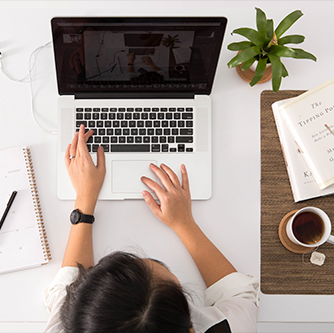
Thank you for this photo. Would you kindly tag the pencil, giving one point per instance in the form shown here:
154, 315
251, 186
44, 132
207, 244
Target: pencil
329, 129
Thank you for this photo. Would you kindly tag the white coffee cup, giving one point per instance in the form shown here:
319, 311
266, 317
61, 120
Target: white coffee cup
310, 230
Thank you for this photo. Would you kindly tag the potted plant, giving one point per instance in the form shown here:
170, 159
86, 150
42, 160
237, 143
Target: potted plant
170, 41
267, 46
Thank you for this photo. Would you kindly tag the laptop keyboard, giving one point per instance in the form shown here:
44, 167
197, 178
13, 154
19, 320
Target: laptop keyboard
138, 129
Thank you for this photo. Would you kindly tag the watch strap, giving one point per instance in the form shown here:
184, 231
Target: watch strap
87, 218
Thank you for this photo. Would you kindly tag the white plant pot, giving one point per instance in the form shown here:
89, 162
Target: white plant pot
253, 67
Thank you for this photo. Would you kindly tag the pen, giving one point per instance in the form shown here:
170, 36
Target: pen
119, 63
9, 204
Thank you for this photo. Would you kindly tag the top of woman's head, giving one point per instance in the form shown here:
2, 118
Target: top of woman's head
122, 294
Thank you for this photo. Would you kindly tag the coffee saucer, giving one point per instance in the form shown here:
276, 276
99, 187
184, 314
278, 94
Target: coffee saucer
285, 240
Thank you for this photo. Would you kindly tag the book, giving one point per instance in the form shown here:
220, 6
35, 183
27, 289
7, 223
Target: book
303, 184
182, 55
310, 120
23, 240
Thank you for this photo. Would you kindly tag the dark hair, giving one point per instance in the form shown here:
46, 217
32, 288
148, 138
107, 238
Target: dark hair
120, 295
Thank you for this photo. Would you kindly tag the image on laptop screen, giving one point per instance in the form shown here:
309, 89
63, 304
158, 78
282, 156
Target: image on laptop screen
136, 54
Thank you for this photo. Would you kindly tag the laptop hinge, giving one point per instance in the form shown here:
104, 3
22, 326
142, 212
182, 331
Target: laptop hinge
134, 95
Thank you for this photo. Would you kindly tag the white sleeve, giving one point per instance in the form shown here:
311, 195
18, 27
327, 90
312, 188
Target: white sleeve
55, 294
236, 296
130, 75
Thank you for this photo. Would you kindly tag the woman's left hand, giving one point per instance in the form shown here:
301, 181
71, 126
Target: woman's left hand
86, 177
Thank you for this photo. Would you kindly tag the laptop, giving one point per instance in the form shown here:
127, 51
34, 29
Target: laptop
143, 85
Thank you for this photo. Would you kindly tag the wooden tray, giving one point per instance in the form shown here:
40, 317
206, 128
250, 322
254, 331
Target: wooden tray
283, 270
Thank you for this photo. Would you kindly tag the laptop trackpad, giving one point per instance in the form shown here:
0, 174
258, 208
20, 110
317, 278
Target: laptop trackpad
126, 176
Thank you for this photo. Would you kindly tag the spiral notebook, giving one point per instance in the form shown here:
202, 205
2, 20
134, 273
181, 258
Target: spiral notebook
23, 240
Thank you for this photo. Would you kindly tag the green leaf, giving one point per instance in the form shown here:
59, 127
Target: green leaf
287, 22
248, 63
301, 54
276, 69
261, 22
270, 29
260, 68
239, 46
287, 52
281, 51
254, 36
292, 39
244, 56
284, 71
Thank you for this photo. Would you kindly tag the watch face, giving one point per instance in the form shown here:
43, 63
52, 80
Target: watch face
75, 217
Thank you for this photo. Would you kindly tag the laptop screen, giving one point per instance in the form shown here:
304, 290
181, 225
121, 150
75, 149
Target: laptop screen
97, 55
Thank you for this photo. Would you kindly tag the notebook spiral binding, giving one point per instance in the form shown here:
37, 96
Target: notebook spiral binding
36, 203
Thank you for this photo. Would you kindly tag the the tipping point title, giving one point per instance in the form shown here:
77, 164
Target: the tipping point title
316, 116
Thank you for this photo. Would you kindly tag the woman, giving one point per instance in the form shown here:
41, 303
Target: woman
124, 293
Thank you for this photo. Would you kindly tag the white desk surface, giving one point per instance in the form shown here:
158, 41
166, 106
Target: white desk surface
231, 218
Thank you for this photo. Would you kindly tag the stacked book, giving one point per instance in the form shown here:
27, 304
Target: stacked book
305, 126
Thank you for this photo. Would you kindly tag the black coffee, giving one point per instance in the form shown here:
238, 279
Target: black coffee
308, 227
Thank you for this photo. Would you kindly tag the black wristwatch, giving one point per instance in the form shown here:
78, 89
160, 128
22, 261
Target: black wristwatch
77, 217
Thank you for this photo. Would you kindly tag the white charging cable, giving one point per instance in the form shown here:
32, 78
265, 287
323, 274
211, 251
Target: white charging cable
28, 79
24, 80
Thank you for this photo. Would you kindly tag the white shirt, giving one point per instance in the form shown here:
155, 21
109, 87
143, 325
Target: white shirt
234, 297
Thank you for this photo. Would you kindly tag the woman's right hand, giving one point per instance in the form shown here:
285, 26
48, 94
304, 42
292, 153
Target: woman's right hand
175, 211
175, 200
